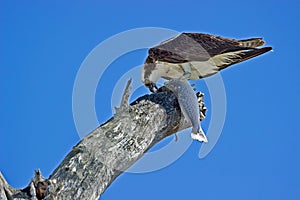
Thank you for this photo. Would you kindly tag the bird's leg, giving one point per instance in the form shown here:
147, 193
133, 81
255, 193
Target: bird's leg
187, 71
186, 75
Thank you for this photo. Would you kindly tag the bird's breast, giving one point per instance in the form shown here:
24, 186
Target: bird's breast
199, 69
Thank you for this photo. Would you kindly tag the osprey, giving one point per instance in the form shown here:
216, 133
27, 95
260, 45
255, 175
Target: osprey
197, 54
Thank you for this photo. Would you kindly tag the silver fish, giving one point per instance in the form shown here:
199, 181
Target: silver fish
188, 104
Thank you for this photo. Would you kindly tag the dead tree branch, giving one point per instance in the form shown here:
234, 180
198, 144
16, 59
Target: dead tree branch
100, 157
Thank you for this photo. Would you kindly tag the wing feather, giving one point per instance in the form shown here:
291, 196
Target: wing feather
198, 47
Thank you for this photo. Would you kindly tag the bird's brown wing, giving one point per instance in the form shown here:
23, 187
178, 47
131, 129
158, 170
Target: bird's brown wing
179, 49
198, 47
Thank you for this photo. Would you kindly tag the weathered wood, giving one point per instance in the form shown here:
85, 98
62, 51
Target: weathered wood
100, 157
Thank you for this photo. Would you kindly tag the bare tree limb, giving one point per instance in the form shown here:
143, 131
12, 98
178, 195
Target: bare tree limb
100, 157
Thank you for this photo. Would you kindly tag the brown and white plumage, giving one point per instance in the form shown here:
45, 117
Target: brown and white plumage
200, 55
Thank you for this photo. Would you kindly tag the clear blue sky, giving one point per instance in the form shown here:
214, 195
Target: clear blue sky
43, 44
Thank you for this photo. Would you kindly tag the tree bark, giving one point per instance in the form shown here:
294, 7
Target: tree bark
94, 163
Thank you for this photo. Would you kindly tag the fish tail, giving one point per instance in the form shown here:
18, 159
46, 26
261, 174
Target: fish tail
198, 134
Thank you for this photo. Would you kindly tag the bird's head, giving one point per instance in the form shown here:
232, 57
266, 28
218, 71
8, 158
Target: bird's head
149, 76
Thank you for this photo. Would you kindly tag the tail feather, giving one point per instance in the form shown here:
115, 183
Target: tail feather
230, 58
252, 42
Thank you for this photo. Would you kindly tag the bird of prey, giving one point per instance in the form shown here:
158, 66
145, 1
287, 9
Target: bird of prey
200, 55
